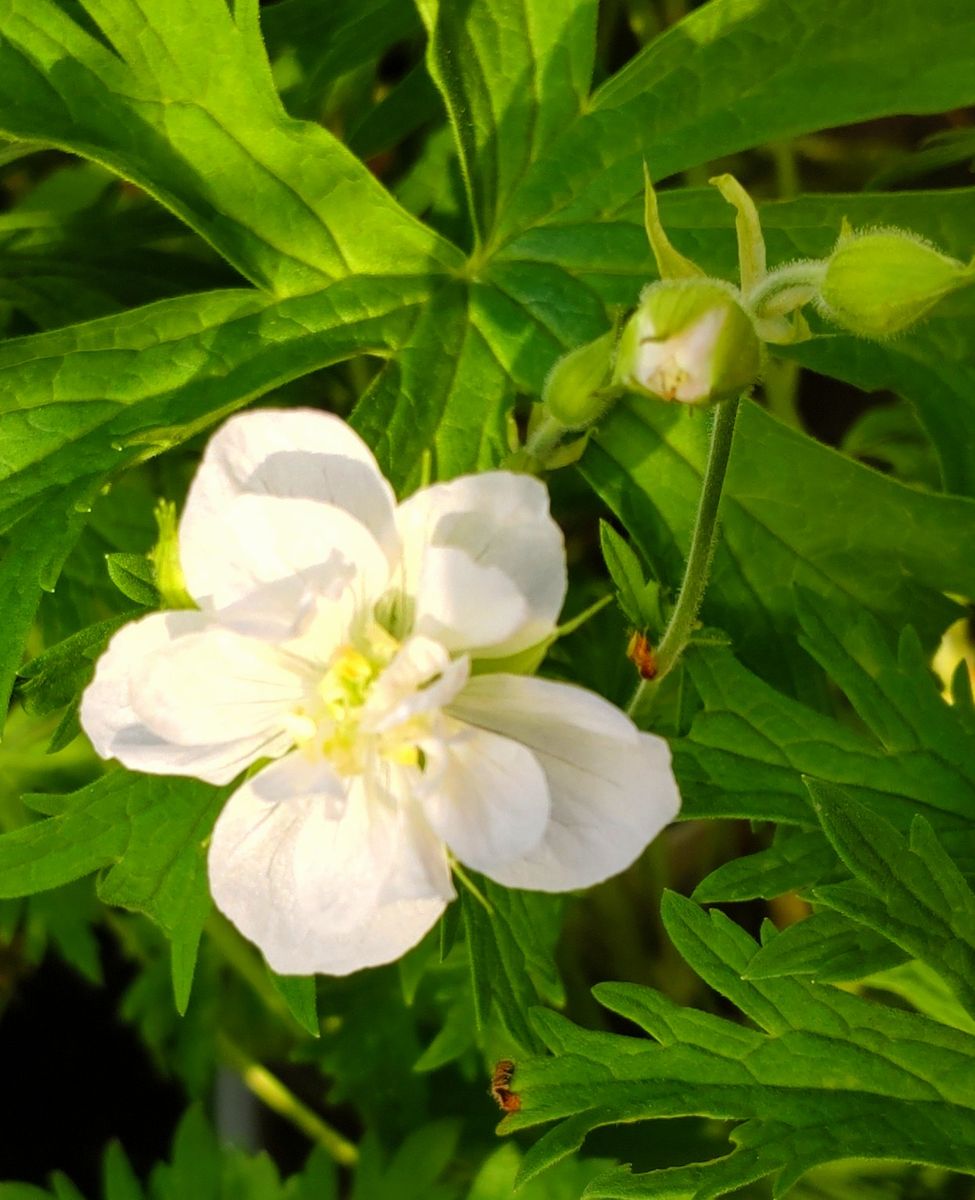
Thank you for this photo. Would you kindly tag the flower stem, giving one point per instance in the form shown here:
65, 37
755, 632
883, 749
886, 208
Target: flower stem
548, 434
698, 568
793, 285
280, 1099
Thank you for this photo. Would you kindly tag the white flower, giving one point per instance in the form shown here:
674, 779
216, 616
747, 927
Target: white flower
334, 637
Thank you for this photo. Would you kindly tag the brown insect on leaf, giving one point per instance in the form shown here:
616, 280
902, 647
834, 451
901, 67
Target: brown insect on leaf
507, 1100
640, 653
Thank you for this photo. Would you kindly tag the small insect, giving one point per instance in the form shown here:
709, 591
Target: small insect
507, 1100
641, 654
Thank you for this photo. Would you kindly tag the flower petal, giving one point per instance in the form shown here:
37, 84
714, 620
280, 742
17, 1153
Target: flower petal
117, 730
501, 521
325, 874
611, 787
485, 795
217, 686
250, 543
293, 453
420, 678
464, 605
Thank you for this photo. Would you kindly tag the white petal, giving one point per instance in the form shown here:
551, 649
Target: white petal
501, 521
117, 730
485, 795
234, 553
611, 787
293, 453
464, 605
322, 874
216, 686
307, 616
420, 679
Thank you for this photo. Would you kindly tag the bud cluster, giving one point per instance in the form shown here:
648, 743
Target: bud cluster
697, 340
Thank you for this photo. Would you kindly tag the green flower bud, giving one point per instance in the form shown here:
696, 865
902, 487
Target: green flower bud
165, 560
575, 391
690, 340
882, 281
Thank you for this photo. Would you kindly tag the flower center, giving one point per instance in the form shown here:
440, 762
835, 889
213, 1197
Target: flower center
343, 720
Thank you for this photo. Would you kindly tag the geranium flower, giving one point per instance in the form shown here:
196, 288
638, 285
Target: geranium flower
343, 646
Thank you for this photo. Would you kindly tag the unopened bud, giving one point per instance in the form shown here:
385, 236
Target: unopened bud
690, 340
880, 282
575, 392
165, 560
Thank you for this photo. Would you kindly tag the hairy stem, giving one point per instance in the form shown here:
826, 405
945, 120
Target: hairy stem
548, 434
698, 568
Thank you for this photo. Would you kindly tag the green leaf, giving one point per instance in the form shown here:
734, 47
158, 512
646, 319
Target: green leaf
892, 436
749, 747
325, 41
195, 1168
915, 895
135, 577
454, 1037
299, 993
66, 919
827, 946
56, 677
30, 566
119, 1180
445, 391
181, 102
92, 399
832, 1076
796, 858
925, 990
75, 247
368, 1059
415, 1170
933, 366
891, 549
64, 1189
513, 74
510, 951
151, 830
639, 598
410, 104
496, 1178
693, 95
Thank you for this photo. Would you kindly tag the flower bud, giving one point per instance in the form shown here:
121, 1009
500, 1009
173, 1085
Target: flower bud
165, 560
575, 390
690, 340
882, 281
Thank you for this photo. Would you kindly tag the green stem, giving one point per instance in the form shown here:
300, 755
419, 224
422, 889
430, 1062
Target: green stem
798, 277
787, 180
698, 568
544, 439
280, 1099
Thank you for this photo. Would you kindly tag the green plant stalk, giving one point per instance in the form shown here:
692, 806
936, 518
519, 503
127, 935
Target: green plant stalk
272, 1092
799, 277
698, 568
543, 441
